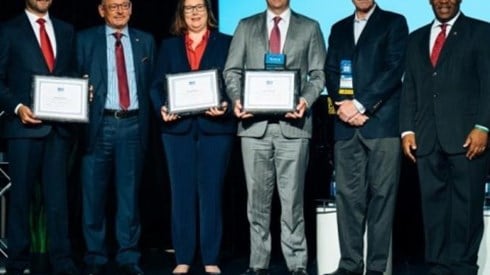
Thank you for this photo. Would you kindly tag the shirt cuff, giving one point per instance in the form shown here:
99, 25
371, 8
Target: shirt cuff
481, 127
306, 102
16, 110
359, 106
408, 133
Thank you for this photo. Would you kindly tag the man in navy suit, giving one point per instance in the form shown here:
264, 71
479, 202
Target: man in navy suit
445, 119
37, 150
118, 62
364, 70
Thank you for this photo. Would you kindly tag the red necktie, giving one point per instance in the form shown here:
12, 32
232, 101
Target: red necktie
122, 78
275, 39
45, 44
436, 49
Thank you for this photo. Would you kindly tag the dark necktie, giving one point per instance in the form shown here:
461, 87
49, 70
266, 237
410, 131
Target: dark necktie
439, 43
46, 47
275, 39
122, 78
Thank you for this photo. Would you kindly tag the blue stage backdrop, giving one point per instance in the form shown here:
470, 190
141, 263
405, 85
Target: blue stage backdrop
327, 12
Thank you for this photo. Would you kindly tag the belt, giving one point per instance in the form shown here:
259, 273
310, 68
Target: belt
120, 114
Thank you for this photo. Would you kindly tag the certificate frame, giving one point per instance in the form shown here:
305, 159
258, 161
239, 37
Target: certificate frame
192, 92
62, 99
270, 92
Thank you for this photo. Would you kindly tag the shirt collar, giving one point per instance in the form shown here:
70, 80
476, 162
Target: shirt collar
109, 31
450, 23
285, 15
368, 15
33, 17
188, 40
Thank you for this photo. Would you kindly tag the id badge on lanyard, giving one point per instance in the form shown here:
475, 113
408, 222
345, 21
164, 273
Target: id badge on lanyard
346, 86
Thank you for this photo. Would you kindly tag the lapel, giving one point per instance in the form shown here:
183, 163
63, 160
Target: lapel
32, 45
138, 56
60, 42
65, 46
424, 46
207, 51
99, 50
182, 53
452, 39
262, 33
371, 26
292, 34
346, 29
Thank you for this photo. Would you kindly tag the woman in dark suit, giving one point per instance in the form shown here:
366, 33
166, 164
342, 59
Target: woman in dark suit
197, 147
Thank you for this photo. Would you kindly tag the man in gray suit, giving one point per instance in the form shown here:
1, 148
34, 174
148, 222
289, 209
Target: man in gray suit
276, 147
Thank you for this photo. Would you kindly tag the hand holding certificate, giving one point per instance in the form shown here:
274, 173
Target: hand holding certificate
270, 91
193, 92
60, 98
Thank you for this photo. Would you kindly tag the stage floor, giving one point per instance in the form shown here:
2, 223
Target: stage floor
159, 262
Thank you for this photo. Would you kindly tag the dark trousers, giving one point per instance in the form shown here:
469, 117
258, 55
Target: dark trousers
34, 160
367, 174
117, 154
197, 164
452, 188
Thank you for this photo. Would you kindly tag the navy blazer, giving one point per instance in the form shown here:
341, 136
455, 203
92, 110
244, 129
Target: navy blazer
172, 58
20, 59
92, 61
377, 65
444, 103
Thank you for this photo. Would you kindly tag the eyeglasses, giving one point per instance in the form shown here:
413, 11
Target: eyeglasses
114, 7
197, 8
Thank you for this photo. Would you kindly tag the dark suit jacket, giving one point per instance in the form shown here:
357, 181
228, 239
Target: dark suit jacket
377, 65
172, 58
444, 103
20, 59
92, 61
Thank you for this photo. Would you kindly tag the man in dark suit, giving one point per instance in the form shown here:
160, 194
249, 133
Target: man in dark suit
364, 70
275, 149
34, 43
444, 119
118, 62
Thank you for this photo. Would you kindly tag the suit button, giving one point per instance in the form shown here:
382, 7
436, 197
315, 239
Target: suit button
435, 95
434, 74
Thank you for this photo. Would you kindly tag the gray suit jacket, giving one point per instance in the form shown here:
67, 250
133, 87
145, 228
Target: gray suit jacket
305, 51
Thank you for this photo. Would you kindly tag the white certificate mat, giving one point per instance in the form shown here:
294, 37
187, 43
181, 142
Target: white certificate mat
269, 91
192, 92
60, 98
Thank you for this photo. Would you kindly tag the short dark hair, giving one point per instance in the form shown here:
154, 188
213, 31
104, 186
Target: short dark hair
179, 27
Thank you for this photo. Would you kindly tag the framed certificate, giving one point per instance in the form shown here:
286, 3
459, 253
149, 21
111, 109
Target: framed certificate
60, 98
270, 91
193, 92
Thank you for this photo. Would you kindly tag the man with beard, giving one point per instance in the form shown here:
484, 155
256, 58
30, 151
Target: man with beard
444, 120
34, 43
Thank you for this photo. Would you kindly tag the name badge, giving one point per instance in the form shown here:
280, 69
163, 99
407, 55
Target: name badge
274, 61
346, 86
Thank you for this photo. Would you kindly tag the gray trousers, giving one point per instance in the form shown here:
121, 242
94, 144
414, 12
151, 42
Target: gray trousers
267, 160
367, 173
